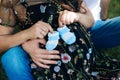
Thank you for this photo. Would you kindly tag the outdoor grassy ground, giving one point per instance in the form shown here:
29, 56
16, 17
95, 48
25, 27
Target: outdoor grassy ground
114, 11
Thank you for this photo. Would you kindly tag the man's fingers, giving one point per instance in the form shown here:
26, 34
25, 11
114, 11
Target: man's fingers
49, 56
41, 64
44, 63
49, 27
42, 32
48, 61
44, 51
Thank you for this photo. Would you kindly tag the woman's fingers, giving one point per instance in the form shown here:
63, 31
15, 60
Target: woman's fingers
67, 17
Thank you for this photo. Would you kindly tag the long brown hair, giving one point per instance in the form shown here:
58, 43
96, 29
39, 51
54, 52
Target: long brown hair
72, 5
8, 3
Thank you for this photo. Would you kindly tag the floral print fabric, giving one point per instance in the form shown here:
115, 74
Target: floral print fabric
79, 61
76, 59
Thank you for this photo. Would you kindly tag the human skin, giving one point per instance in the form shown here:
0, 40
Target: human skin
104, 8
64, 18
38, 31
84, 17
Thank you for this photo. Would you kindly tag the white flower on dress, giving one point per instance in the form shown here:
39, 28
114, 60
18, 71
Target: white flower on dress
88, 56
90, 50
59, 63
72, 48
94, 73
70, 71
65, 58
42, 9
56, 68
33, 66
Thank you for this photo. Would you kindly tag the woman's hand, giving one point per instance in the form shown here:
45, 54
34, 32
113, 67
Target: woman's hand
41, 57
84, 17
67, 17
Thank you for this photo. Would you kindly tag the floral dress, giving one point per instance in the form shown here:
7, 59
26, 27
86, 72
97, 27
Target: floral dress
80, 60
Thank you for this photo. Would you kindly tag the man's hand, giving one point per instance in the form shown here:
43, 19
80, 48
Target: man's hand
104, 8
40, 56
38, 30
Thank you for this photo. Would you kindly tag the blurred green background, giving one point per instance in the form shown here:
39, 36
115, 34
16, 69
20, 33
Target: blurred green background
114, 11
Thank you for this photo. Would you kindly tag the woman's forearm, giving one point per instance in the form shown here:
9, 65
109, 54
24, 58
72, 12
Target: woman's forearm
86, 20
85, 16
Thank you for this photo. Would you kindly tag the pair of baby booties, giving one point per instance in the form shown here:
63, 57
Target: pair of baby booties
64, 33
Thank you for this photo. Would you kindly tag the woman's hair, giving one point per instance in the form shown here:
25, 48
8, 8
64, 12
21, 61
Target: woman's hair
74, 5
8, 3
6, 6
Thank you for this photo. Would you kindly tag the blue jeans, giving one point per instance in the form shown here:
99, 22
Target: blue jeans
16, 61
16, 64
106, 34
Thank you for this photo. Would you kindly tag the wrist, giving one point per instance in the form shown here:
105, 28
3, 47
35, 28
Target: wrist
25, 35
78, 17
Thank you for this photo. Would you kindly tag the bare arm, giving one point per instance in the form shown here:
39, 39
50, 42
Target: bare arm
104, 8
38, 30
33, 2
5, 30
8, 41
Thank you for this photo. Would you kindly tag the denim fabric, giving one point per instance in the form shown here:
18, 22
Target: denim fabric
106, 34
16, 64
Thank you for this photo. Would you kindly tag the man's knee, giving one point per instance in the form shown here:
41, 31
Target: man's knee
11, 55
15, 62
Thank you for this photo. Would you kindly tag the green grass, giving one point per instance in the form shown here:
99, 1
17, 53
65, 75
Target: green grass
114, 11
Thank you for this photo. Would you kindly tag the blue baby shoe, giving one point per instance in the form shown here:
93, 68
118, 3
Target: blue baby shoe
66, 35
53, 39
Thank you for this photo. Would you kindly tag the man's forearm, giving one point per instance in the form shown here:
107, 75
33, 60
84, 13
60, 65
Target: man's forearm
33, 2
8, 41
104, 8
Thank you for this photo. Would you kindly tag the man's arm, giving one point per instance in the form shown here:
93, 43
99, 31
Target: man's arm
104, 8
8, 40
34, 2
